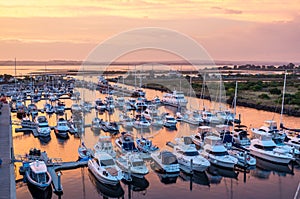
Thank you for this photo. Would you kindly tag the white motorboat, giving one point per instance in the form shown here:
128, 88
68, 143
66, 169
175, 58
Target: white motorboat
72, 126
193, 118
75, 108
61, 129
48, 108
104, 168
120, 102
84, 152
216, 153
147, 115
210, 118
265, 148
140, 106
188, 156
240, 136
96, 124
269, 128
203, 131
27, 123
104, 144
141, 123
42, 126
293, 141
126, 121
170, 121
37, 175
176, 99
244, 158
166, 161
157, 121
133, 165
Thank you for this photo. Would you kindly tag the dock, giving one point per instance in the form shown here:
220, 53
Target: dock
7, 172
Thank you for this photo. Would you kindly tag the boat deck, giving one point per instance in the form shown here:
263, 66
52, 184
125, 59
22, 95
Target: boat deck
7, 179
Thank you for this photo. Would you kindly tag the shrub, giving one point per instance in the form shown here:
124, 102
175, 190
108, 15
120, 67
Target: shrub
275, 91
264, 96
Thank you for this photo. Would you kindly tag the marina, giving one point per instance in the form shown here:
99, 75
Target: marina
210, 179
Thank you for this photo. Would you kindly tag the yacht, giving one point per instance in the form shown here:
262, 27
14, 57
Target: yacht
99, 105
125, 143
42, 126
265, 148
37, 175
166, 161
269, 128
176, 99
96, 124
104, 144
216, 153
240, 136
244, 158
188, 156
141, 122
198, 138
170, 121
133, 165
104, 169
61, 129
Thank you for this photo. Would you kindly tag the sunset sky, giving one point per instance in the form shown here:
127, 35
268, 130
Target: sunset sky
228, 29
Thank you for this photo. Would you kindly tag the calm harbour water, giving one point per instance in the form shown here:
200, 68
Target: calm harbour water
265, 181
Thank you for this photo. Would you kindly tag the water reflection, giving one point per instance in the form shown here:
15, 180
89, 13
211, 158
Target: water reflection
40, 194
107, 191
264, 169
45, 140
215, 174
199, 178
136, 185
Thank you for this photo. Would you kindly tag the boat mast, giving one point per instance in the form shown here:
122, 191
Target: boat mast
282, 103
235, 97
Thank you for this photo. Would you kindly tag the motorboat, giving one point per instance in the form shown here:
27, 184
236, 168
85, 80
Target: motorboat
27, 123
104, 168
72, 126
265, 148
42, 126
75, 108
210, 118
84, 152
240, 136
176, 99
193, 118
126, 121
157, 121
109, 103
60, 108
198, 138
215, 151
140, 105
61, 129
188, 156
132, 164
166, 161
104, 144
244, 158
111, 127
170, 121
32, 110
269, 128
120, 102
125, 142
48, 108
141, 122
99, 105
37, 175
147, 115
145, 145
96, 124
293, 141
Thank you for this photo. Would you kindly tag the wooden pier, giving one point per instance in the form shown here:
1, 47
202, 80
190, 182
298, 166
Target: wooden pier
7, 173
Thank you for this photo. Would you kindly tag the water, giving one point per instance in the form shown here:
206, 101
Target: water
266, 181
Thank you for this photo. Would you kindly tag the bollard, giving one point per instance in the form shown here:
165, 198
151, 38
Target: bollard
245, 158
191, 166
59, 182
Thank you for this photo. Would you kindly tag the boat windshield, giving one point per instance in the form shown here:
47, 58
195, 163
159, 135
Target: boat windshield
107, 162
191, 153
278, 141
219, 153
137, 163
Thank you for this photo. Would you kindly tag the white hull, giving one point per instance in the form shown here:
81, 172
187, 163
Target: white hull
98, 173
280, 159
